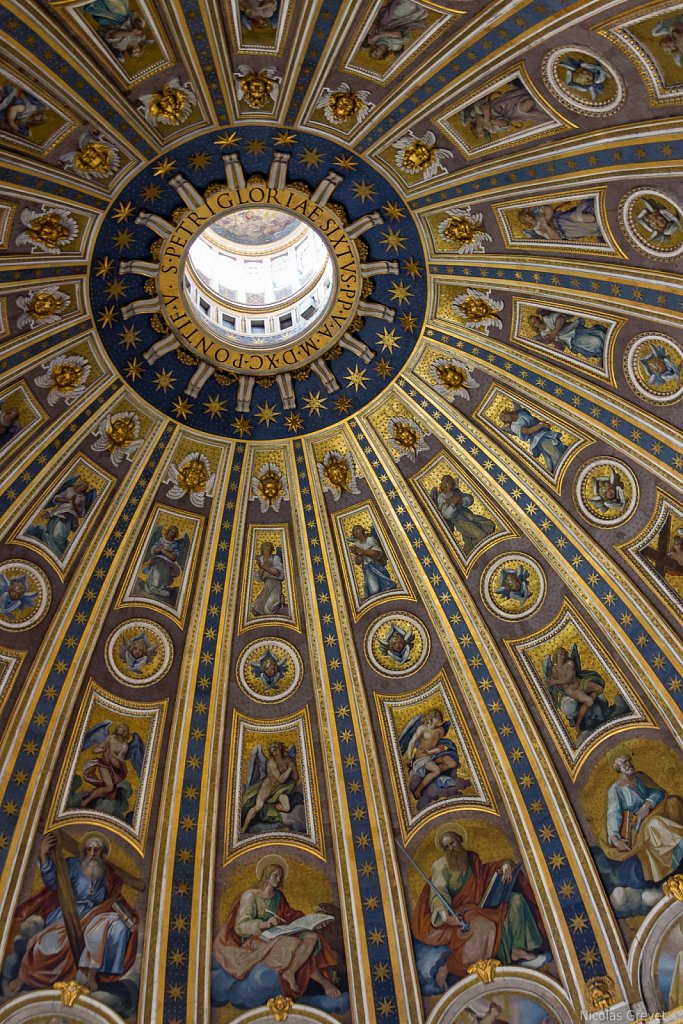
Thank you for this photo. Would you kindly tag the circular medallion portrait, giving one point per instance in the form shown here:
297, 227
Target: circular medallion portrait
24, 594
396, 644
654, 368
513, 586
606, 492
653, 223
269, 670
139, 652
584, 82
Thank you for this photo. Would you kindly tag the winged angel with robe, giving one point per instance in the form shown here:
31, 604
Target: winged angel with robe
432, 758
272, 797
106, 772
580, 693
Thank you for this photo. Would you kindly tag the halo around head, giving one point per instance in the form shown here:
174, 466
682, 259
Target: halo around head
101, 839
271, 860
621, 751
459, 830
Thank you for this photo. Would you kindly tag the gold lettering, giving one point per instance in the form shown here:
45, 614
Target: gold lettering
223, 201
218, 351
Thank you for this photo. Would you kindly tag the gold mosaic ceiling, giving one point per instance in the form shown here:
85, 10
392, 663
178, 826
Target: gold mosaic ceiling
379, 624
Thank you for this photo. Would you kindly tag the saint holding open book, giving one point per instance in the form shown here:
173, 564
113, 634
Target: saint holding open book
262, 928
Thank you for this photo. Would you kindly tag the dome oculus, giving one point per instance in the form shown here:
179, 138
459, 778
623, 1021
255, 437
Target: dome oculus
362, 266
259, 277
216, 313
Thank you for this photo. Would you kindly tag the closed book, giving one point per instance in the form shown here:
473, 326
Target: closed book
498, 891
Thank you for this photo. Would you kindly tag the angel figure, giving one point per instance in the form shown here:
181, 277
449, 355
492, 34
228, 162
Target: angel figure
10, 422
501, 110
584, 76
257, 88
669, 33
342, 104
545, 443
272, 785
112, 746
563, 333
270, 572
659, 367
20, 110
398, 644
65, 511
268, 670
138, 651
122, 30
673, 563
259, 15
563, 672
431, 757
658, 223
514, 583
563, 222
608, 492
15, 594
580, 693
390, 32
164, 562
485, 1014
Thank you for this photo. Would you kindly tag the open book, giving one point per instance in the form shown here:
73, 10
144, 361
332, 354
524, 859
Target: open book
498, 891
307, 923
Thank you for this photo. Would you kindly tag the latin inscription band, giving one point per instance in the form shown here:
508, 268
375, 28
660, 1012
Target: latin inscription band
219, 350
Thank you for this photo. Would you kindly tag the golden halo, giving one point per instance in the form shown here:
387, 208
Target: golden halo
99, 837
459, 830
621, 751
275, 861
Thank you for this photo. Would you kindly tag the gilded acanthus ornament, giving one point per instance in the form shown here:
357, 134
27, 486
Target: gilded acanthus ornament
342, 105
485, 969
65, 377
70, 991
452, 378
280, 1007
119, 435
269, 487
48, 230
461, 229
172, 106
406, 437
192, 477
601, 992
674, 887
95, 157
420, 155
337, 474
478, 309
257, 88
42, 306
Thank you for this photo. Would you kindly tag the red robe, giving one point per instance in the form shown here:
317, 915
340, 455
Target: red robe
38, 970
486, 924
238, 956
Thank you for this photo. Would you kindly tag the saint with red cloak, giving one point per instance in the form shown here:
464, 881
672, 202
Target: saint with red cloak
511, 932
110, 943
297, 958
